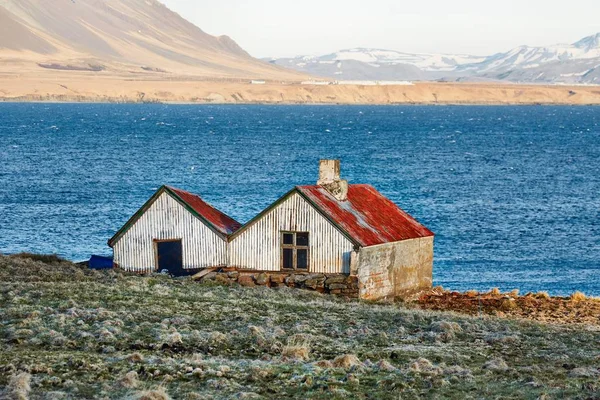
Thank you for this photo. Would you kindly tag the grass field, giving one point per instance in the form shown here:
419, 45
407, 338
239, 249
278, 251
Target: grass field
67, 332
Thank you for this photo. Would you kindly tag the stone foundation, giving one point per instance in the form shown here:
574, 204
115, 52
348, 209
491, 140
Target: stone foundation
337, 284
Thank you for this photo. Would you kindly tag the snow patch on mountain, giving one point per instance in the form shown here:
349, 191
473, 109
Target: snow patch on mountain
575, 63
424, 61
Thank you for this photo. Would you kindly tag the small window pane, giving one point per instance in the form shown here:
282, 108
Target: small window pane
302, 259
301, 239
288, 238
288, 258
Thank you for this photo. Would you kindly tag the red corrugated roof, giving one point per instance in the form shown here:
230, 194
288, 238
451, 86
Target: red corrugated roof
220, 221
367, 216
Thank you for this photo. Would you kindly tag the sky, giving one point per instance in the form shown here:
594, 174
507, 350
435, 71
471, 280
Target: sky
285, 28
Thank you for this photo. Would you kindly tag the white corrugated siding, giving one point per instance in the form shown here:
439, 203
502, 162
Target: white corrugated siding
168, 219
259, 247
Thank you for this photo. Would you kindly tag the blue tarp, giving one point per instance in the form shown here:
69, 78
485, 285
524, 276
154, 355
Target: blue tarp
99, 262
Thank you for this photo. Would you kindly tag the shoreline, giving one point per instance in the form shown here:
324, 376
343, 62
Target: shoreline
183, 103
99, 89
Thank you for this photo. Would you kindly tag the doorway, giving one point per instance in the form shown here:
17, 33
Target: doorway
169, 256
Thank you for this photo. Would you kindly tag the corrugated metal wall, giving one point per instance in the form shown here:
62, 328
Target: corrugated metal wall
168, 219
259, 246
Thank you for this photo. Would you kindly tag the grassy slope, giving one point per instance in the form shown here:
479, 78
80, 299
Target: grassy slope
78, 333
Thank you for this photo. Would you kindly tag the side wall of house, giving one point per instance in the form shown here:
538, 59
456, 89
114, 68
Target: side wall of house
397, 269
168, 219
259, 246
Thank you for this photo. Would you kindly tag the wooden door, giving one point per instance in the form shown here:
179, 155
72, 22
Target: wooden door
169, 255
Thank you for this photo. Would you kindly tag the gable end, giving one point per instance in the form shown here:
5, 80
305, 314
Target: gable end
281, 200
163, 189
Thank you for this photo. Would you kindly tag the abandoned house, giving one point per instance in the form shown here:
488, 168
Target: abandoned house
175, 231
328, 229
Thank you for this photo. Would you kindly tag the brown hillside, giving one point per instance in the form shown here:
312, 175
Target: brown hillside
121, 36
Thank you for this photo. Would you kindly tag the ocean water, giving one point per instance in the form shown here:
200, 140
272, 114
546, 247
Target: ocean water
513, 193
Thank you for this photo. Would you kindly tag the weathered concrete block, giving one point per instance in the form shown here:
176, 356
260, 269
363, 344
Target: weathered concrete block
396, 269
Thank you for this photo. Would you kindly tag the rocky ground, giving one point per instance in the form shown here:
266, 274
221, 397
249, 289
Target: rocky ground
576, 309
67, 332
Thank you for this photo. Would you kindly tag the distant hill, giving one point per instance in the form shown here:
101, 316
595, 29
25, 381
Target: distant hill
577, 63
119, 36
562, 63
377, 64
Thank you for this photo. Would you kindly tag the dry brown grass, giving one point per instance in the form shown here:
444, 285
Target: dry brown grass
423, 365
135, 357
323, 364
496, 365
543, 295
130, 380
346, 361
159, 393
495, 292
578, 297
20, 386
297, 348
45, 258
508, 304
445, 327
385, 365
540, 307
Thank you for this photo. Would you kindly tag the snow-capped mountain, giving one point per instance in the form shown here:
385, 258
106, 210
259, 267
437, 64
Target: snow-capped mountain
562, 63
425, 62
590, 43
532, 57
378, 64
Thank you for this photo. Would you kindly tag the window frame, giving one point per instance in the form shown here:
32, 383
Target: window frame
294, 247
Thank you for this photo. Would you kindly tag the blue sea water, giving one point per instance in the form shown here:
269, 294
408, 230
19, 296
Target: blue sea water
513, 193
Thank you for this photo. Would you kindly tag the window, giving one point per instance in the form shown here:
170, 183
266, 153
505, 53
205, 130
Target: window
294, 250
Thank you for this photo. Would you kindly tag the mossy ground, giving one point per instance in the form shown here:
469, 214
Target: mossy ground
77, 333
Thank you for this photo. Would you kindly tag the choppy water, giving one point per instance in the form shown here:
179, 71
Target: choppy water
512, 192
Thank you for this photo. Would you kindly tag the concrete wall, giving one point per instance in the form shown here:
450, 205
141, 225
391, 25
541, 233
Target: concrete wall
395, 269
259, 246
167, 219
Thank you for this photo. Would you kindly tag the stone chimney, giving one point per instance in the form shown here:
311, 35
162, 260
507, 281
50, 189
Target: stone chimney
329, 179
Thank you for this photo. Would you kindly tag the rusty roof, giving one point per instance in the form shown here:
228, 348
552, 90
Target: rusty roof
220, 221
367, 216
